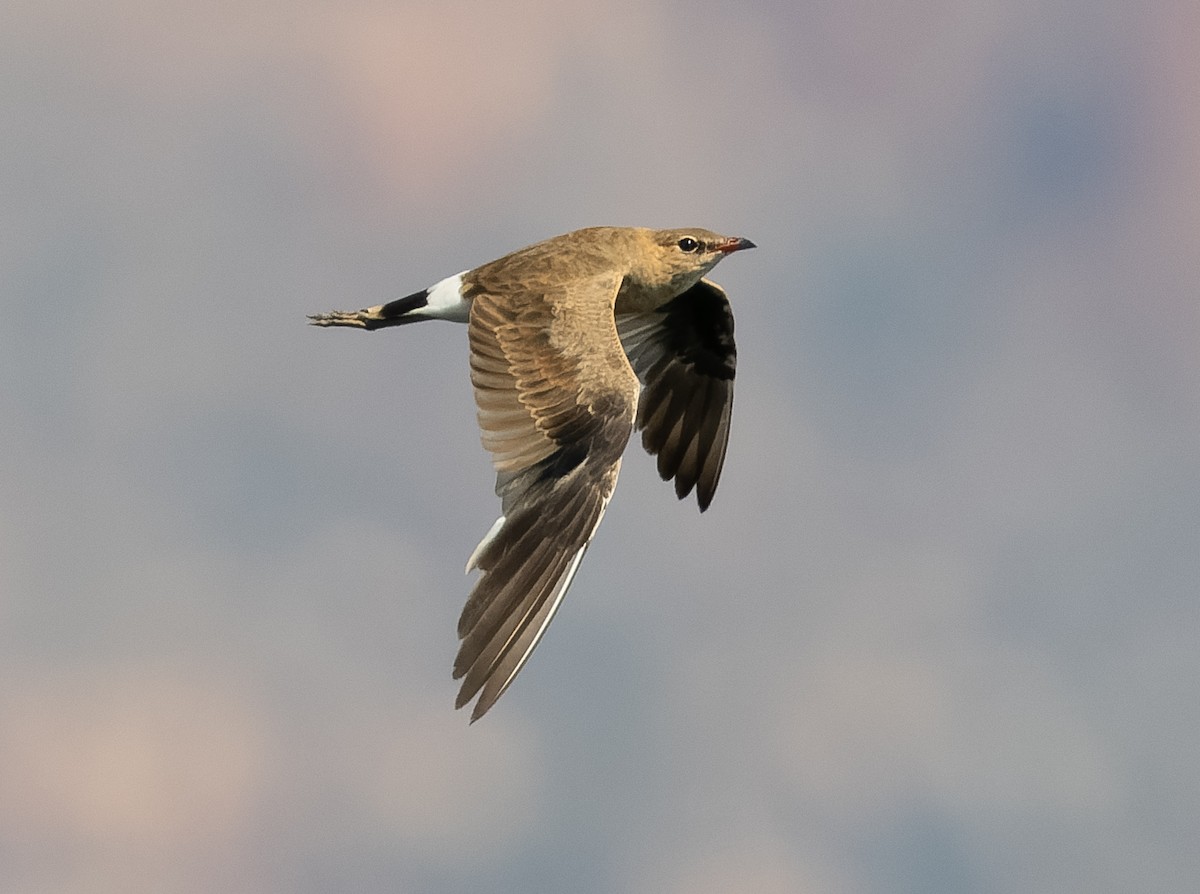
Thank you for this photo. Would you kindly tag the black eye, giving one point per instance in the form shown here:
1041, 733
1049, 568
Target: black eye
687, 243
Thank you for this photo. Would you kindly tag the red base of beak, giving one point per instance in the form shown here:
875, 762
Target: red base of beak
733, 244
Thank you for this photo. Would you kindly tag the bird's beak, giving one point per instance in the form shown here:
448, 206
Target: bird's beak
732, 244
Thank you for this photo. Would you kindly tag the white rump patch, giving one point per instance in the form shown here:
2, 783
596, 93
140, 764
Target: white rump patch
445, 300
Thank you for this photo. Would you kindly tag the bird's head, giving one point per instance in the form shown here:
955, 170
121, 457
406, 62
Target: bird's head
676, 260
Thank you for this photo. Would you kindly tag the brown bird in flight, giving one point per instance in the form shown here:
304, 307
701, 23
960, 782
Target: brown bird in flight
574, 343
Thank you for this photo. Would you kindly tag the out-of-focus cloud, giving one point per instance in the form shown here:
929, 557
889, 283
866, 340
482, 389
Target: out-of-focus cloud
936, 632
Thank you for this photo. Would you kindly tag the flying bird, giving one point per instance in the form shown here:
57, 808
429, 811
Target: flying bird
575, 342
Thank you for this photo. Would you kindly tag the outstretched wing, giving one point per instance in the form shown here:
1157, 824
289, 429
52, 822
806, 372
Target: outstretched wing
556, 400
684, 354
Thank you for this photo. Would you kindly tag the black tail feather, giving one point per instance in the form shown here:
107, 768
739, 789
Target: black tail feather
395, 313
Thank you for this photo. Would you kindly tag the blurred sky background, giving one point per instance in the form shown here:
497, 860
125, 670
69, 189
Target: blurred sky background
939, 631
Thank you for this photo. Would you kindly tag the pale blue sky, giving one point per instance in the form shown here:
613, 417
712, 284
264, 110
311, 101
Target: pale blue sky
937, 632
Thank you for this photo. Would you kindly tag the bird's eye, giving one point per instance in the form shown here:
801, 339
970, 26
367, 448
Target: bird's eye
687, 243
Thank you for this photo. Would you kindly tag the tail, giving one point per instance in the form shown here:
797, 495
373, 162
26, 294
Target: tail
394, 313
442, 301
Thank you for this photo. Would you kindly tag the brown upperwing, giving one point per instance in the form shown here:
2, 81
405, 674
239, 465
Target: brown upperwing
556, 402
